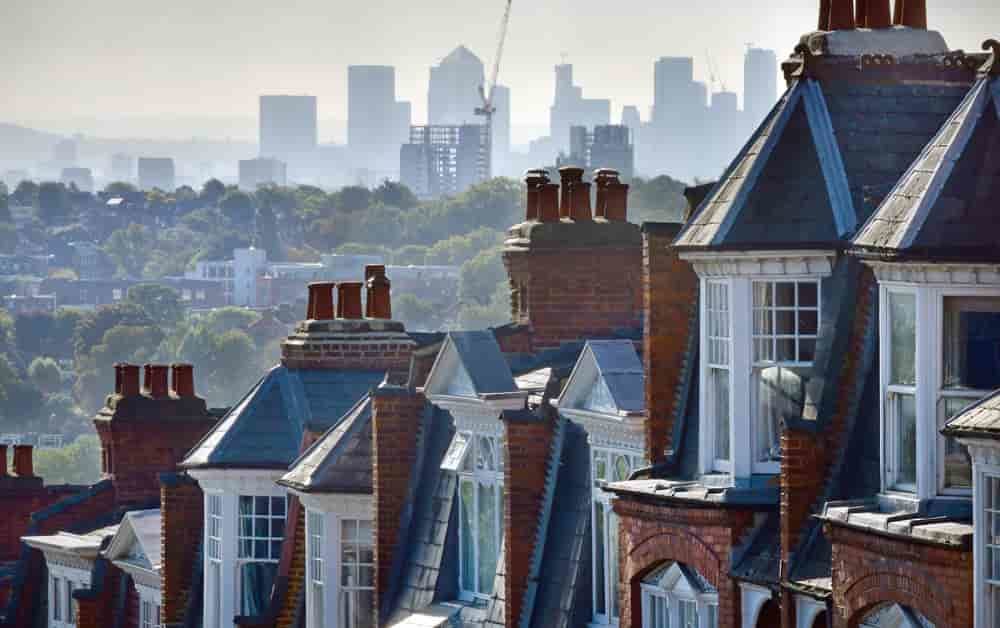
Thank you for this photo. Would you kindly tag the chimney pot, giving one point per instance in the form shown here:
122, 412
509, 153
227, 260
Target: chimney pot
612, 196
568, 176
128, 376
580, 201
378, 298
23, 462
183, 380
320, 306
841, 15
3, 461
534, 180
912, 13
349, 300
548, 202
874, 14
156, 380
824, 15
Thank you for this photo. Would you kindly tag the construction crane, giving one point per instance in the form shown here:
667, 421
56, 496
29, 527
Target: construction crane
486, 92
713, 72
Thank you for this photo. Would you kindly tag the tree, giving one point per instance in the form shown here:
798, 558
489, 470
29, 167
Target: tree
480, 276
161, 303
53, 203
354, 198
267, 232
90, 329
237, 206
410, 254
394, 194
20, 402
212, 192
26, 193
120, 189
416, 313
8, 238
45, 375
76, 463
130, 249
660, 198
5, 206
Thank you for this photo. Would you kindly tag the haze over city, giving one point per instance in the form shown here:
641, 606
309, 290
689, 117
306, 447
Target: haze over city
120, 68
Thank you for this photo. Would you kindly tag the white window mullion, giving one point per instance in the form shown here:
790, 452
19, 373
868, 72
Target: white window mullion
928, 337
741, 334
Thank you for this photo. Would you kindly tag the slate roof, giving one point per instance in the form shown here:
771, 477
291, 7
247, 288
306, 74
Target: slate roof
620, 367
264, 430
142, 527
481, 356
981, 419
857, 138
945, 205
341, 460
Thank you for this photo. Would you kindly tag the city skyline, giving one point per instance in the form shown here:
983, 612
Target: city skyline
612, 58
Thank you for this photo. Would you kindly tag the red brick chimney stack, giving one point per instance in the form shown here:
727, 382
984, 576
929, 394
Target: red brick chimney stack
568, 177
612, 196
23, 463
378, 301
874, 14
3, 461
534, 179
183, 380
349, 300
912, 13
320, 307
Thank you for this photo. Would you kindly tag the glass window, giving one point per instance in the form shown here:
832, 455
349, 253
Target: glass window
902, 339
658, 611
614, 466
56, 599
674, 595
900, 395
990, 531
903, 423
687, 614
150, 615
717, 338
481, 511
259, 536
314, 523
357, 568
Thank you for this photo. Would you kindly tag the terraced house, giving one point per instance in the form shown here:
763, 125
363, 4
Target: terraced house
779, 413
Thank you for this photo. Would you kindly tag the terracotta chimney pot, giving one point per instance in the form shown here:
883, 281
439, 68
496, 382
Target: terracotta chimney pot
912, 13
580, 201
824, 15
349, 300
320, 306
378, 298
874, 14
3, 461
548, 202
23, 462
841, 15
183, 380
156, 380
568, 176
129, 374
534, 180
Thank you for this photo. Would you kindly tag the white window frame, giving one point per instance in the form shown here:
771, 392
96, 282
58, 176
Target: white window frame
479, 477
982, 473
704, 603
711, 462
270, 539
316, 569
150, 614
891, 393
62, 582
742, 463
344, 525
606, 580
929, 390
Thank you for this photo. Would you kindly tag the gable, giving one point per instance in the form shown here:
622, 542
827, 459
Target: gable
608, 379
470, 364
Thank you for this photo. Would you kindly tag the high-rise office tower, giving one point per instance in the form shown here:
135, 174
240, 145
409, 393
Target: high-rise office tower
570, 108
288, 129
453, 93
122, 167
156, 172
254, 173
377, 124
501, 130
760, 83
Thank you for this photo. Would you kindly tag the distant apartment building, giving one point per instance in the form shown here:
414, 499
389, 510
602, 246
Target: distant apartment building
254, 173
122, 167
501, 130
570, 108
158, 173
91, 293
377, 124
606, 146
760, 84
443, 160
16, 304
82, 178
288, 128
25, 265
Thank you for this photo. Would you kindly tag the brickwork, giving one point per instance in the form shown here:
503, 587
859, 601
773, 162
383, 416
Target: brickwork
396, 420
670, 301
701, 538
527, 451
349, 344
296, 577
96, 606
182, 509
869, 569
19, 497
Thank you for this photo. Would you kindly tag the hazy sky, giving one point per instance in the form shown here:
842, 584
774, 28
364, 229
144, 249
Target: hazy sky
108, 58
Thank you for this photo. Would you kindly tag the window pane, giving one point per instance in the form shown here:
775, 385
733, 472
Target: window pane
600, 607
467, 498
957, 462
488, 537
972, 342
906, 439
318, 619
613, 560
784, 322
719, 398
687, 614
780, 396
808, 294
903, 338
784, 294
57, 599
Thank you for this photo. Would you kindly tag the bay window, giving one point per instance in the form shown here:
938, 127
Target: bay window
988, 558
63, 580
607, 466
717, 335
260, 533
901, 390
480, 497
357, 569
150, 615
315, 576
213, 579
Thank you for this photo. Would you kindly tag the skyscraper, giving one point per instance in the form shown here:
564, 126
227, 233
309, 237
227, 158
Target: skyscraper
288, 128
156, 172
570, 108
377, 124
760, 83
453, 93
501, 129
443, 160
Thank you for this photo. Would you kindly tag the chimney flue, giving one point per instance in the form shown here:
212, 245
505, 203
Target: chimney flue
156, 380
3, 461
534, 180
128, 376
841, 15
23, 463
912, 13
612, 196
580, 201
183, 380
378, 302
548, 202
824, 15
568, 177
874, 14
320, 306
349, 300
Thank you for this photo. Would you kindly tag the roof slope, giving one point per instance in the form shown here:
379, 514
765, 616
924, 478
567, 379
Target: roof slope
264, 430
980, 419
341, 460
620, 367
944, 206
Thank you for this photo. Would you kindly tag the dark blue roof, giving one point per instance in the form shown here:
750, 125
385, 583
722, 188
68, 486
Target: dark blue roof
264, 430
484, 361
620, 367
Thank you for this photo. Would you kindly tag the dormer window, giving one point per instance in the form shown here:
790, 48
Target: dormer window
760, 324
480, 495
676, 595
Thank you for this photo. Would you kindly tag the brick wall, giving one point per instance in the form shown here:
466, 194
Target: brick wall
296, 576
670, 301
19, 497
96, 605
396, 421
869, 569
651, 534
527, 450
181, 519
